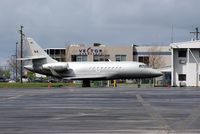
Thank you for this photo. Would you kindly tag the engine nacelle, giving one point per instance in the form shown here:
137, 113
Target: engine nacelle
60, 66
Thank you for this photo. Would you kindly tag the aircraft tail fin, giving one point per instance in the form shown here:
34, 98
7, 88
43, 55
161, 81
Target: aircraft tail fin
32, 51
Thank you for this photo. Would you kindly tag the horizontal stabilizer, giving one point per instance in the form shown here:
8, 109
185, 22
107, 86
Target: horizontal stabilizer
32, 58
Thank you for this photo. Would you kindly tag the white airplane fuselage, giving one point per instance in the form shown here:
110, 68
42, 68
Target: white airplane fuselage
96, 70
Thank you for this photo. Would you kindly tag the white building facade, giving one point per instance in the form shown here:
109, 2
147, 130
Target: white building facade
185, 63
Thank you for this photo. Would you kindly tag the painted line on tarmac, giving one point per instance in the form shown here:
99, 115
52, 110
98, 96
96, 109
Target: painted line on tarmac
12, 98
189, 120
155, 115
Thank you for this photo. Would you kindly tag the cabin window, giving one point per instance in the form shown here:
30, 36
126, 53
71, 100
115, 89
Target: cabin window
182, 53
143, 66
182, 77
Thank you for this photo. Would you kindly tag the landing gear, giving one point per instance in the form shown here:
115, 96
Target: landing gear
86, 83
139, 82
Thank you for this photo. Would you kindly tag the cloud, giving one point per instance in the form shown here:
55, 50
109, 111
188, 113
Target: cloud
55, 23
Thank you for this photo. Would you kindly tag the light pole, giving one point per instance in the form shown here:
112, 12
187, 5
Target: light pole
16, 62
21, 55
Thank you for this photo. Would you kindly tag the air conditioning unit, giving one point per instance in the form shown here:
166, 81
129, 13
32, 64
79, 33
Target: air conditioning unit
182, 84
182, 61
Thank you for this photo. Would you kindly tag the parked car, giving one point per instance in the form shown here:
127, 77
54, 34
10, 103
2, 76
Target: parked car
3, 79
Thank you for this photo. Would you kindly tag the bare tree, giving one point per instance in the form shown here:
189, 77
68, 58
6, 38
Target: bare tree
14, 66
155, 58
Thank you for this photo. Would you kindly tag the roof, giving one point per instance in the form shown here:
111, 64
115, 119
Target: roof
189, 44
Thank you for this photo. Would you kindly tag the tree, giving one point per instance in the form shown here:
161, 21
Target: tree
14, 65
155, 58
1, 72
31, 76
6, 74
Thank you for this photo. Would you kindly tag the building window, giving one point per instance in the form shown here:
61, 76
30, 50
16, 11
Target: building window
57, 51
101, 57
144, 59
63, 51
199, 53
51, 51
182, 77
79, 58
120, 57
182, 53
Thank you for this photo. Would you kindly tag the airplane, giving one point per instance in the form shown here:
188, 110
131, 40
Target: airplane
42, 63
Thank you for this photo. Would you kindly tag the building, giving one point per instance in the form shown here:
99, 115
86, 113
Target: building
155, 56
58, 54
158, 57
98, 52
185, 63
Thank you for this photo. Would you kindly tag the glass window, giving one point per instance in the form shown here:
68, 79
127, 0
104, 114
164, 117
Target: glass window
57, 51
51, 51
120, 57
79, 58
182, 77
144, 59
182, 53
63, 51
73, 58
123, 57
101, 57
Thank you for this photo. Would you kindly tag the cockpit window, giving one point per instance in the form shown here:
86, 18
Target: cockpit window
143, 66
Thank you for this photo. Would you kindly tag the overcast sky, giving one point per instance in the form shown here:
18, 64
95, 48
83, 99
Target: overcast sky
55, 23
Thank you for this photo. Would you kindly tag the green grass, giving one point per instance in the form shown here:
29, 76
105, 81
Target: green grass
32, 85
60, 85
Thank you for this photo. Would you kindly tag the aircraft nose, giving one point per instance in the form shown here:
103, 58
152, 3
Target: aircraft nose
157, 73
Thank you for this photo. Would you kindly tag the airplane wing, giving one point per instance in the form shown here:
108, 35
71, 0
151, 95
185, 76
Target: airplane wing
81, 77
54, 72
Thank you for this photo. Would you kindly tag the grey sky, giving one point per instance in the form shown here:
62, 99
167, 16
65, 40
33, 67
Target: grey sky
55, 23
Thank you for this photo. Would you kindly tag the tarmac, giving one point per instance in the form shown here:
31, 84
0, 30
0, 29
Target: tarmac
100, 110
